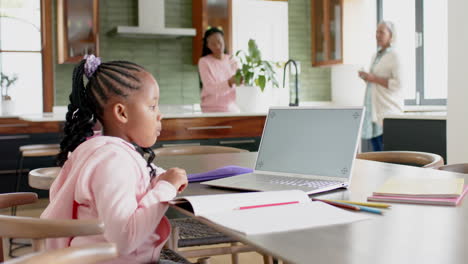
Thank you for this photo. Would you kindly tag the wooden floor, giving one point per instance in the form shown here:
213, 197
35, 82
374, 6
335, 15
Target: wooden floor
34, 210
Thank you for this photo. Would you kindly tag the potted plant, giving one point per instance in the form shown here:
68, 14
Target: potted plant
253, 76
6, 82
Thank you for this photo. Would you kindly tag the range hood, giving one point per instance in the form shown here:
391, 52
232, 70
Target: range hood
151, 23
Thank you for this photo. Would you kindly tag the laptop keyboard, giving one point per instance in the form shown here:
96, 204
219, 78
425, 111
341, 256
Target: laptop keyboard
313, 184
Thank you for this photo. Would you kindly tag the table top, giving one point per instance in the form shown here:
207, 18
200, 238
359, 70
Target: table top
404, 234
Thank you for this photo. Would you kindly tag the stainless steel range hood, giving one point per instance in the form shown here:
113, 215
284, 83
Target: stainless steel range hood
151, 23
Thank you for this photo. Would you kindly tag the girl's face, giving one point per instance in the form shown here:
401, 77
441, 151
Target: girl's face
144, 117
383, 36
215, 43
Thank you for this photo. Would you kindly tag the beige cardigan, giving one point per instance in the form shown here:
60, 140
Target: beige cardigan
387, 100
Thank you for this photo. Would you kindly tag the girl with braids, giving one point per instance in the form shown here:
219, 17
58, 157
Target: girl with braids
104, 176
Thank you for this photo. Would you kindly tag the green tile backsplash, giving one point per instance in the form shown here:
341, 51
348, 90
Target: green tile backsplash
170, 60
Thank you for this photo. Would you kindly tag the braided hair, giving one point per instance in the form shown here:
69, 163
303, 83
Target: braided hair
114, 78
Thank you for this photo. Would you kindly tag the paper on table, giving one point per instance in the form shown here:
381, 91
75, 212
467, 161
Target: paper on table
224, 210
209, 204
284, 218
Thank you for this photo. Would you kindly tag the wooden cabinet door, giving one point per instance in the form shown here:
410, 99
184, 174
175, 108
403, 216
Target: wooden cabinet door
211, 13
327, 32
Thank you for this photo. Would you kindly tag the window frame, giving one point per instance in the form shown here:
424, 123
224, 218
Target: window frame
419, 71
46, 54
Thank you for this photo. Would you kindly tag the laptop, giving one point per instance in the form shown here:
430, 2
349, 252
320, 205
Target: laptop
306, 148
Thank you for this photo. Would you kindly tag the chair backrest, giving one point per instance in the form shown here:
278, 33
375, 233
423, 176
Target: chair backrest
460, 168
39, 229
191, 150
87, 254
413, 158
14, 199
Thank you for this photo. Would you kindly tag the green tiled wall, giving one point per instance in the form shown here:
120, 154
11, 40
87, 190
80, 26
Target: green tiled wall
314, 81
170, 60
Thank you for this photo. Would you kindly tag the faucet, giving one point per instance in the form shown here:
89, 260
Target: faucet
296, 101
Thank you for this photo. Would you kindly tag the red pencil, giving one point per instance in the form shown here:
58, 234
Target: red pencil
265, 205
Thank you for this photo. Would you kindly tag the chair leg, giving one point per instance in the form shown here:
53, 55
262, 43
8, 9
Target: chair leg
19, 175
267, 259
235, 256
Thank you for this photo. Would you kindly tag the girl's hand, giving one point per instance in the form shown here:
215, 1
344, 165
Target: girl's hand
176, 177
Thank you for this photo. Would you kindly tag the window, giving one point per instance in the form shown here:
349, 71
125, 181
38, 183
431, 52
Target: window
421, 41
26, 52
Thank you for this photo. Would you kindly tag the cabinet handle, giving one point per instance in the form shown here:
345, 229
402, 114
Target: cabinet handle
243, 141
14, 137
209, 127
181, 144
14, 125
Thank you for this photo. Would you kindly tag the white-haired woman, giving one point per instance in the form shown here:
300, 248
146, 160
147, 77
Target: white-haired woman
383, 94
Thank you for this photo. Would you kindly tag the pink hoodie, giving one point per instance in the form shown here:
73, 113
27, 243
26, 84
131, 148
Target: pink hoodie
217, 95
110, 181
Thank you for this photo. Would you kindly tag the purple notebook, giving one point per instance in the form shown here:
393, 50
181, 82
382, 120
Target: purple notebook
218, 173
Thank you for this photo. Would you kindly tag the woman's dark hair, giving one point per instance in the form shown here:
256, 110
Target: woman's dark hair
208, 33
114, 78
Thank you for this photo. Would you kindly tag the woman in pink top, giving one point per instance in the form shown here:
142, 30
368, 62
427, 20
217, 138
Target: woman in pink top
217, 70
105, 177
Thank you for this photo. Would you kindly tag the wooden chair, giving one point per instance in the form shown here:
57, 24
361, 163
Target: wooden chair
460, 168
191, 150
32, 151
188, 232
14, 199
92, 253
412, 158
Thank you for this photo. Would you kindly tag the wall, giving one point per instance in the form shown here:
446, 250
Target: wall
359, 25
457, 109
314, 81
169, 60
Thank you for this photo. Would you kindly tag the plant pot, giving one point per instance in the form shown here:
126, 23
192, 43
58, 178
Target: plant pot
252, 99
8, 105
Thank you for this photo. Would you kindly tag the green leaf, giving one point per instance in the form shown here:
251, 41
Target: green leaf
262, 82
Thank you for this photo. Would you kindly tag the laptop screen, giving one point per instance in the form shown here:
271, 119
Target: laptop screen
314, 141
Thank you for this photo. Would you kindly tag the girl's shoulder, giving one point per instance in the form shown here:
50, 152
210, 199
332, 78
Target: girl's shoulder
102, 145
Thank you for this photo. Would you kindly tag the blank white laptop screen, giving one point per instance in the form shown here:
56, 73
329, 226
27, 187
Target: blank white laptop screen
310, 141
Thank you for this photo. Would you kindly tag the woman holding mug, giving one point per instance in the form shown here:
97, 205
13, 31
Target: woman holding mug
383, 93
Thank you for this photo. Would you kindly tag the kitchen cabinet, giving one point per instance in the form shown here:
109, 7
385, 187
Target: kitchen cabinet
426, 135
234, 131
327, 32
77, 29
211, 13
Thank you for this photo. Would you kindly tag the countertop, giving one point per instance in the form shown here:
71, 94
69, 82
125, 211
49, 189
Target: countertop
168, 111
419, 115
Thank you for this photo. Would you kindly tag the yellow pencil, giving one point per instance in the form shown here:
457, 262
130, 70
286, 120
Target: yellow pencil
379, 205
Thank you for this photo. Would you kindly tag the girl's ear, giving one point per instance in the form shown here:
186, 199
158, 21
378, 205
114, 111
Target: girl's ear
119, 111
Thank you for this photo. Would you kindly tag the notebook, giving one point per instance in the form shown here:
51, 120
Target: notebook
304, 148
265, 212
426, 187
453, 201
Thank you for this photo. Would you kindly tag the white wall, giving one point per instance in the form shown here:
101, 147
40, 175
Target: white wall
267, 23
359, 24
457, 100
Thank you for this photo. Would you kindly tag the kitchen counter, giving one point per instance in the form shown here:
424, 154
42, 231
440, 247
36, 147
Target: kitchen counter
168, 111
439, 115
